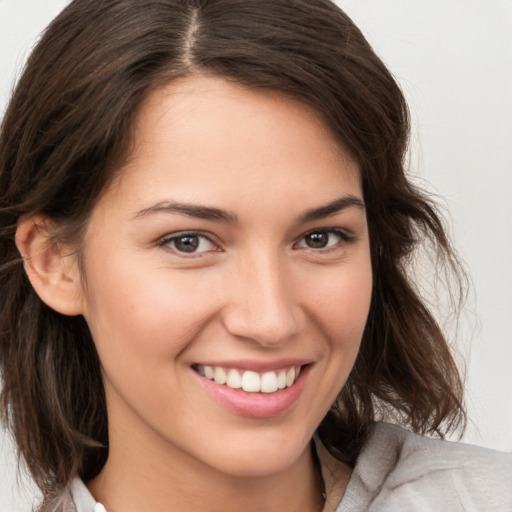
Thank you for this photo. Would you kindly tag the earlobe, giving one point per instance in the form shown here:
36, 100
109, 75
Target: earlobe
51, 267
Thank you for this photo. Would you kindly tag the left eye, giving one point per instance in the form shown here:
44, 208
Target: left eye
189, 243
321, 239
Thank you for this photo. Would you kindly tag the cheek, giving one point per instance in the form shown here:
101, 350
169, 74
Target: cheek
340, 304
142, 323
146, 315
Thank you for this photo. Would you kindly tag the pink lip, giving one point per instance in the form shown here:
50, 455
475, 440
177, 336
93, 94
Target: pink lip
256, 405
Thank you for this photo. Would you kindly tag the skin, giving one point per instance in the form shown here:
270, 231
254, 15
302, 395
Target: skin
254, 291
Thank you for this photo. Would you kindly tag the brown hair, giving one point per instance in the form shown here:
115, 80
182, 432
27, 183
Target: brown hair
64, 134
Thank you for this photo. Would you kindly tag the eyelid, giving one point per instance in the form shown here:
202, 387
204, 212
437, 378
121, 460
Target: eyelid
346, 238
165, 240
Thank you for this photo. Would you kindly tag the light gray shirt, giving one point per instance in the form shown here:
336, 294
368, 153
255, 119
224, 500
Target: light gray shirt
398, 471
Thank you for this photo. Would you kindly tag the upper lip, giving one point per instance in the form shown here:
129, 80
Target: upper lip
258, 366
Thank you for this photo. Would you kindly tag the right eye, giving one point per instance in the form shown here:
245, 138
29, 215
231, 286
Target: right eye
188, 243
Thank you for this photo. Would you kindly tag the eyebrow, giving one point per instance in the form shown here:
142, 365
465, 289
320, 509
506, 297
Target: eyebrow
336, 206
216, 214
190, 210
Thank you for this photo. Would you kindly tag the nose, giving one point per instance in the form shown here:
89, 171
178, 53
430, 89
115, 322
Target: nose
263, 306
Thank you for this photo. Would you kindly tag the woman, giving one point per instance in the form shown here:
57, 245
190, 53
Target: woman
213, 309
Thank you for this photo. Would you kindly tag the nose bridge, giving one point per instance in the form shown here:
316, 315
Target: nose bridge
263, 306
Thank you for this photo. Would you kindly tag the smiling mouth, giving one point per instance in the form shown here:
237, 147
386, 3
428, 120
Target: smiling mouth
248, 380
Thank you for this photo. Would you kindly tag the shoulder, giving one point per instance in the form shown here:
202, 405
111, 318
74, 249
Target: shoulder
397, 470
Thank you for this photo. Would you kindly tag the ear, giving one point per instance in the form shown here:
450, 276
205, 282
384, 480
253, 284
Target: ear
52, 268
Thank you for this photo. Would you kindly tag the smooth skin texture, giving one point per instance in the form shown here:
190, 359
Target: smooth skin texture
213, 246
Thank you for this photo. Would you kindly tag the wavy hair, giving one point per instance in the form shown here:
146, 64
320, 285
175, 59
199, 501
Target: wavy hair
65, 133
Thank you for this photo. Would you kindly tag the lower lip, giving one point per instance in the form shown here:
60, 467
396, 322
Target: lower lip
256, 405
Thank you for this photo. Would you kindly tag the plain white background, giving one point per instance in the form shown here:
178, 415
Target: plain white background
453, 59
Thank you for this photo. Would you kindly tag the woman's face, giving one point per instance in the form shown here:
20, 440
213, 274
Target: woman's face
233, 246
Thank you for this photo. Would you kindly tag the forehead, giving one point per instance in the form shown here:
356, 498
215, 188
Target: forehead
203, 131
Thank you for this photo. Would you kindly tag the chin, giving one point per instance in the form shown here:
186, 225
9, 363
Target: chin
257, 467
259, 458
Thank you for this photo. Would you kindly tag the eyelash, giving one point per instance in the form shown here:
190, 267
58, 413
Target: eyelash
344, 238
168, 240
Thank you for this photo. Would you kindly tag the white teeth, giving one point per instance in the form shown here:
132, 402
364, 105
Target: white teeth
234, 379
219, 375
250, 381
290, 376
208, 372
269, 382
281, 380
